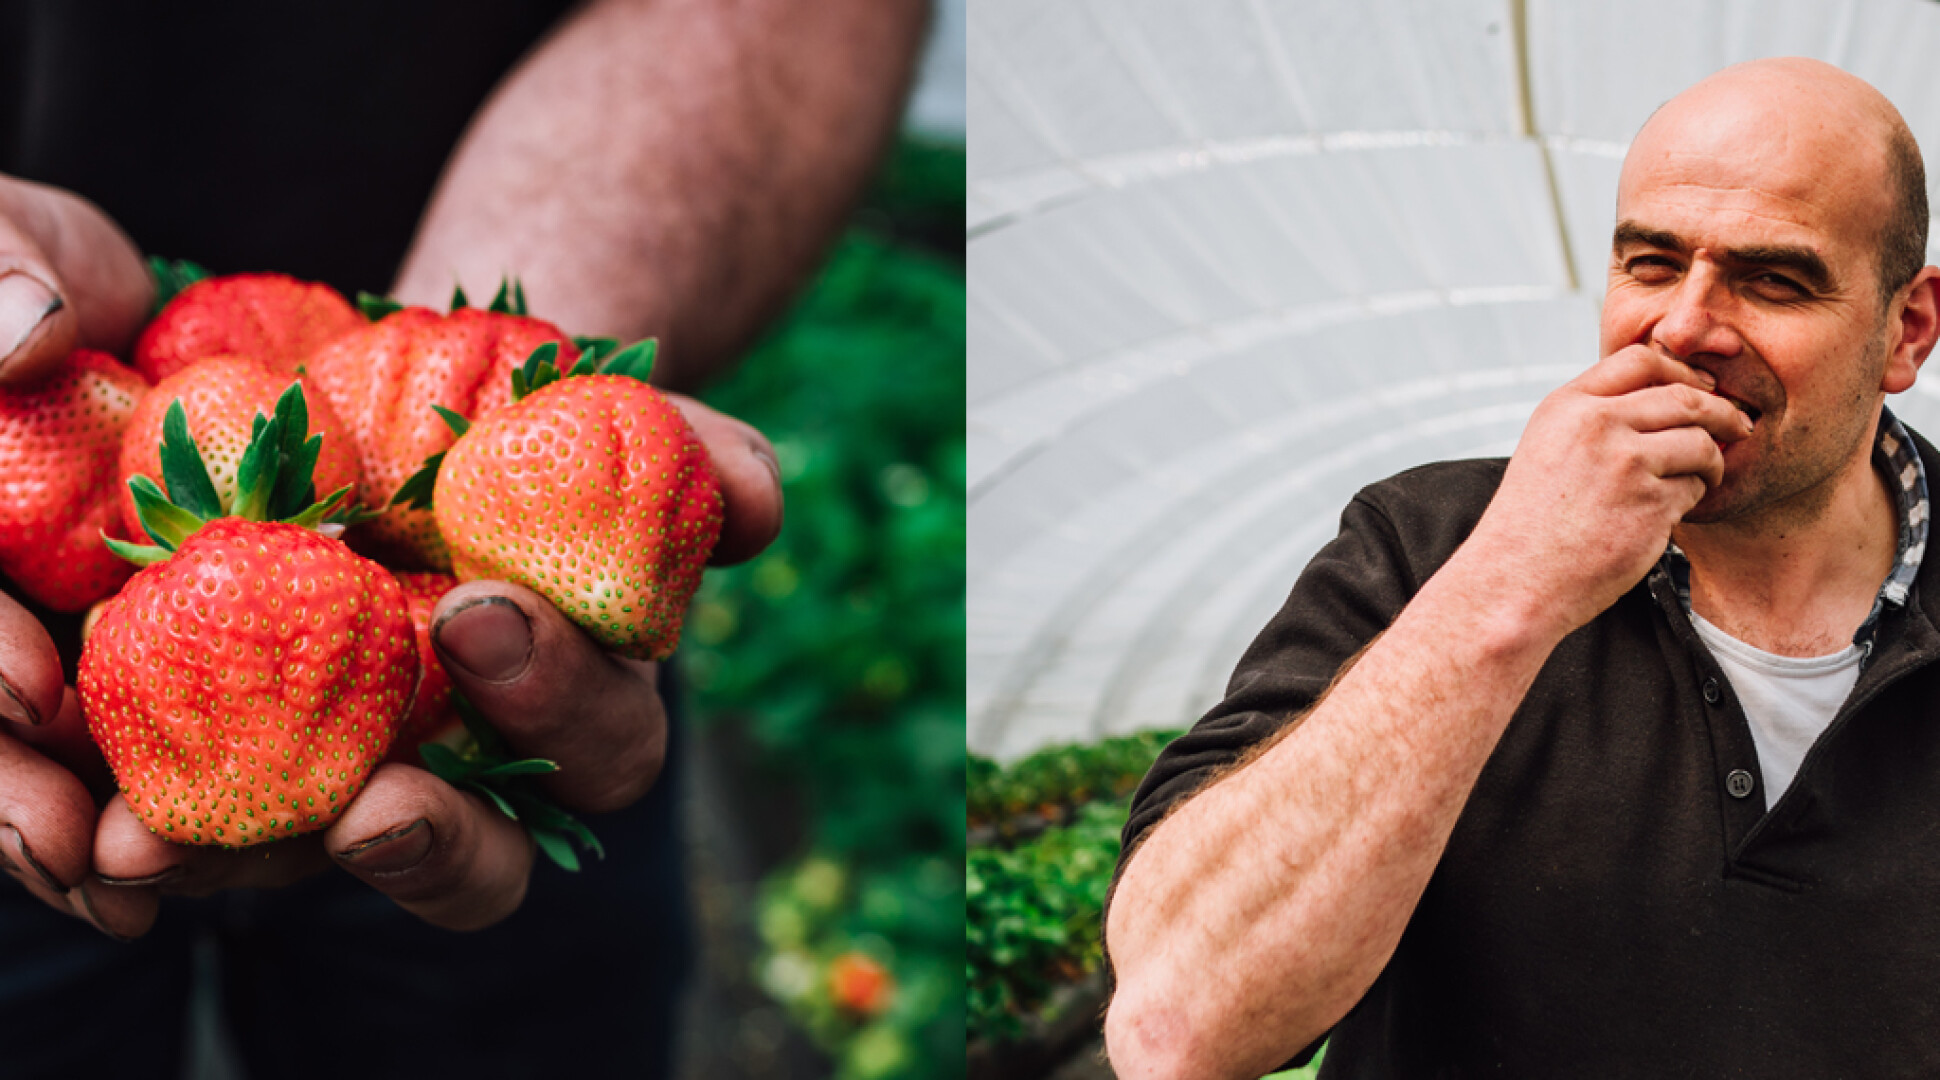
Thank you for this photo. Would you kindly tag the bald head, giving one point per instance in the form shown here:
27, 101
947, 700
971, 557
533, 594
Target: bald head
1753, 114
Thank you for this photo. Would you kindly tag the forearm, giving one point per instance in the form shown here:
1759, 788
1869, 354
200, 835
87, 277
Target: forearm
1254, 917
671, 167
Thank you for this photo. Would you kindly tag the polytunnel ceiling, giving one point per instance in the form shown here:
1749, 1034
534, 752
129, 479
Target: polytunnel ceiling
1232, 260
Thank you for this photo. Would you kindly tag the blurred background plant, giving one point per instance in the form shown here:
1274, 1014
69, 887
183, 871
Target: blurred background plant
828, 674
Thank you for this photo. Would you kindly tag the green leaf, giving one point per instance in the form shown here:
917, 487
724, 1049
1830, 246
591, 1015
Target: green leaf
139, 554
444, 762
256, 473
171, 278
490, 742
416, 492
183, 470
502, 303
527, 767
295, 488
351, 513
458, 299
546, 355
321, 510
458, 424
557, 849
491, 793
375, 308
635, 361
518, 298
167, 523
594, 347
518, 384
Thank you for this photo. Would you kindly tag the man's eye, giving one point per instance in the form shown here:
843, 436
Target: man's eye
1777, 286
1651, 268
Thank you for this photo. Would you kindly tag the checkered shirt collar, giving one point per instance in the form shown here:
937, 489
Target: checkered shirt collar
1895, 457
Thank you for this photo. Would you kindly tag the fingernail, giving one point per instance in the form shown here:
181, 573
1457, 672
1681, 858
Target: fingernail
93, 917
488, 637
25, 302
21, 855
393, 852
14, 707
164, 877
766, 454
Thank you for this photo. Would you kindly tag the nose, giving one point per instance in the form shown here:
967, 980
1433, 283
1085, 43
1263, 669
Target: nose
1695, 322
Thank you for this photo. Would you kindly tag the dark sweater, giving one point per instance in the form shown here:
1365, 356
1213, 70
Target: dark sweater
1606, 906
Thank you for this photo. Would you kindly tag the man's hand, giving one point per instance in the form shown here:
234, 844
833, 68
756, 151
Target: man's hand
447, 856
1607, 465
68, 277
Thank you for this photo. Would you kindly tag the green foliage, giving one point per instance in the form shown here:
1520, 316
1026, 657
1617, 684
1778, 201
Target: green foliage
840, 649
1033, 916
842, 645
909, 918
1058, 779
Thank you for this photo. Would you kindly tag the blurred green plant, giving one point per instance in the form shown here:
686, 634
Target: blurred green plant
840, 650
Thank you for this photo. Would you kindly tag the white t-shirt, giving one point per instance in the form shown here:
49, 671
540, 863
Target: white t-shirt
1789, 700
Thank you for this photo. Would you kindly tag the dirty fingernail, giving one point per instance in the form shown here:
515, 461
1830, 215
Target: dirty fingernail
162, 878
85, 905
25, 303
391, 852
489, 637
15, 845
14, 707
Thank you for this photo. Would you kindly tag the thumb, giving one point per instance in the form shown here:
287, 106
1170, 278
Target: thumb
68, 277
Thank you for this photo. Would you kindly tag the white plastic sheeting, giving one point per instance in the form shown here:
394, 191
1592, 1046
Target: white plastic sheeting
1231, 260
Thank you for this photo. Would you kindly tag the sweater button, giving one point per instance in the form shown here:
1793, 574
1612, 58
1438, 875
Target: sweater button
1711, 692
1739, 783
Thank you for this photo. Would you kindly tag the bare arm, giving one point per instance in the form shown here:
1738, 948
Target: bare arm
1235, 944
671, 167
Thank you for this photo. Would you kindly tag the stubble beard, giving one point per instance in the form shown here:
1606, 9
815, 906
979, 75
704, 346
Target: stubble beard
1794, 483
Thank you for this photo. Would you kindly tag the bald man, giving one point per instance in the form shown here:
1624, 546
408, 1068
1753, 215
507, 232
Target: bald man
1620, 758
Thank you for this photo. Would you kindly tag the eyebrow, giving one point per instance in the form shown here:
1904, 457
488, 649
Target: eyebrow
1799, 260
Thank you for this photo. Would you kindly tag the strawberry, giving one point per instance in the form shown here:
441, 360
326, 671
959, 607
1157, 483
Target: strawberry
221, 396
590, 489
58, 443
272, 317
244, 684
382, 379
859, 983
432, 715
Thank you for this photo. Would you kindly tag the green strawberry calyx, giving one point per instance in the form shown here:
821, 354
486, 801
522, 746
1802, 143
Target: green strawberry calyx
171, 277
597, 356
273, 483
486, 766
509, 301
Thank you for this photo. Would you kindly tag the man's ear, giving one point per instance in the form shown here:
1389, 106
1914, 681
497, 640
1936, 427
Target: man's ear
1918, 324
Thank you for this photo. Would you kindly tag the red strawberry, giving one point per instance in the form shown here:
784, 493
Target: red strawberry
243, 686
591, 490
382, 381
58, 443
860, 984
272, 317
432, 715
221, 396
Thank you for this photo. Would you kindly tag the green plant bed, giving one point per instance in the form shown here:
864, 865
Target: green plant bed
1033, 915
1049, 786
839, 651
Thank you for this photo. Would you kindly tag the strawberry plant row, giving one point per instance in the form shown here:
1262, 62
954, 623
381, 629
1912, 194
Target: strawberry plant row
1033, 914
1016, 801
